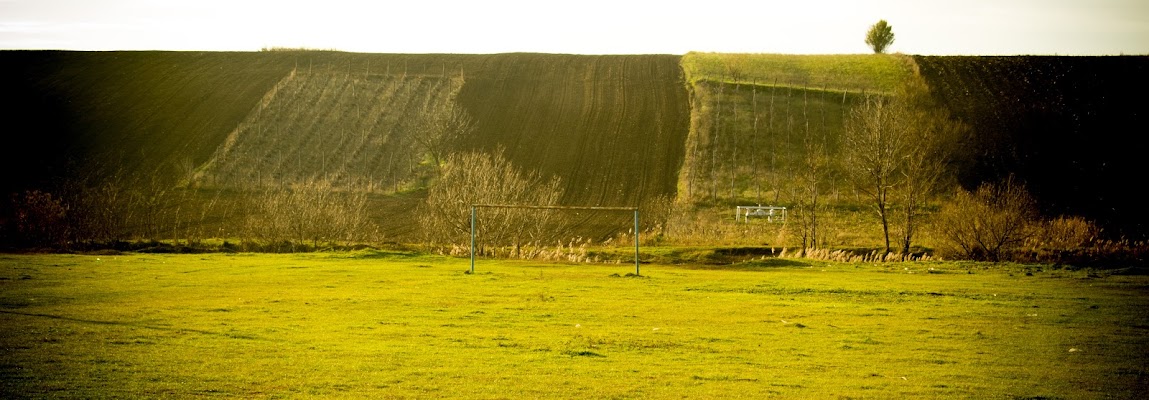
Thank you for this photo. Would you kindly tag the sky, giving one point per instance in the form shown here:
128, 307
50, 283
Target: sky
927, 27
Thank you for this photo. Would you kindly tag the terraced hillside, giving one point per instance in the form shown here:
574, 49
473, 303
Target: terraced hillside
1064, 125
754, 116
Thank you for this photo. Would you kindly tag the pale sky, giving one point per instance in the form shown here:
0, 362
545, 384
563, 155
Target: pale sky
966, 27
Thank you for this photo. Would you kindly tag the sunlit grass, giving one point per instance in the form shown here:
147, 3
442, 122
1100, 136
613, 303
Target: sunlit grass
838, 72
370, 325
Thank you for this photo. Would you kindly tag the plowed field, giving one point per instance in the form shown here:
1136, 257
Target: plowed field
1068, 126
612, 127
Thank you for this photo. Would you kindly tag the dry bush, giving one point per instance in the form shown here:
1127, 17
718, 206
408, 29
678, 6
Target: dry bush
1065, 233
1077, 241
120, 207
311, 214
655, 217
849, 256
989, 224
480, 178
1000, 223
39, 219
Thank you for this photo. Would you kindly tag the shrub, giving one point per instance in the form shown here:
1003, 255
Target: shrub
311, 211
38, 220
1065, 233
480, 178
989, 224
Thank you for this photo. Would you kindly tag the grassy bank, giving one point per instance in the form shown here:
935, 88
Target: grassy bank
373, 324
838, 72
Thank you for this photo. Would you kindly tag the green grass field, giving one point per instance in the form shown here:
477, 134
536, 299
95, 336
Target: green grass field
397, 325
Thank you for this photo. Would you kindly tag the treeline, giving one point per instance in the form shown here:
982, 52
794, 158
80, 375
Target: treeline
299, 217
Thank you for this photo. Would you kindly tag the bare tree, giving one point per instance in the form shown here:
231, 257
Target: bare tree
40, 219
875, 140
897, 154
311, 211
815, 167
811, 180
438, 127
932, 135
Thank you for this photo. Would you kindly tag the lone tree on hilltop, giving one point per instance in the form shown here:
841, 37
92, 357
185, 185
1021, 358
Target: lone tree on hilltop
880, 36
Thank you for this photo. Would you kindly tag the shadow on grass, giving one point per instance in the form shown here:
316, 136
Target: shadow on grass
385, 254
133, 325
756, 265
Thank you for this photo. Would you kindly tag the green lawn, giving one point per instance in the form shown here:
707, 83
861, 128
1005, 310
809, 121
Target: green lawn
393, 325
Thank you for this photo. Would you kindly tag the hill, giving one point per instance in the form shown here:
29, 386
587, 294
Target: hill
611, 127
712, 130
68, 114
1063, 125
752, 115
1070, 127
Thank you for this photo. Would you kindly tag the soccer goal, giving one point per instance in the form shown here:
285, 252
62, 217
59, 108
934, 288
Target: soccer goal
476, 207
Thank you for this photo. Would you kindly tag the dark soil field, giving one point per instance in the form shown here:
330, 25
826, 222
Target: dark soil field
612, 127
1071, 127
69, 115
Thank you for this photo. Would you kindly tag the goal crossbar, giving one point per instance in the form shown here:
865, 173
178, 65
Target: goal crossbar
554, 207
475, 207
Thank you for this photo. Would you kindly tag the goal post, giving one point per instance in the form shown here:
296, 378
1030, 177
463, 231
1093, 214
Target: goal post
475, 207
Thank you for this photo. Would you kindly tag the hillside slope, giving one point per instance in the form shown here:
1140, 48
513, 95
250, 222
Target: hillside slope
68, 114
712, 129
754, 116
611, 127
228, 125
1066, 126
1072, 128
353, 130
